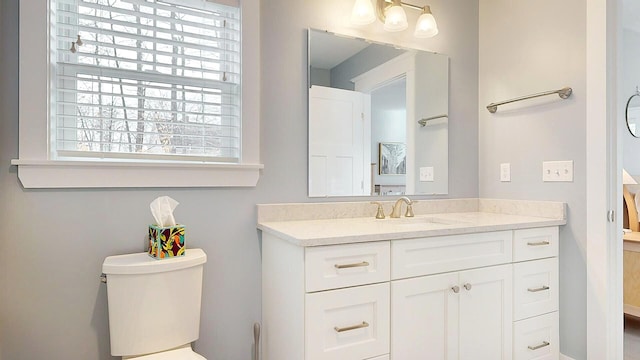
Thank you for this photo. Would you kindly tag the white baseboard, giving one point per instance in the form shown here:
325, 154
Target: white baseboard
565, 357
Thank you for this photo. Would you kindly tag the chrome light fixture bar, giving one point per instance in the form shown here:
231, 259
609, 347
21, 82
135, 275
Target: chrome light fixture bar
391, 13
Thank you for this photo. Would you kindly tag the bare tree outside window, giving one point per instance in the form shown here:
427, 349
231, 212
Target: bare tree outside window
150, 77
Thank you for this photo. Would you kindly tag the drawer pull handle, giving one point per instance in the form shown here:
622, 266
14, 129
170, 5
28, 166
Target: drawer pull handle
539, 243
456, 289
346, 266
542, 288
467, 286
353, 327
544, 343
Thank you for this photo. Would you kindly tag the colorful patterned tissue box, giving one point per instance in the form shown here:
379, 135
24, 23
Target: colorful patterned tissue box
166, 242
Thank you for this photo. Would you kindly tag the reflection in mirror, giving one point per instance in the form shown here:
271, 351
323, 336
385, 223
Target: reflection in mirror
363, 96
633, 114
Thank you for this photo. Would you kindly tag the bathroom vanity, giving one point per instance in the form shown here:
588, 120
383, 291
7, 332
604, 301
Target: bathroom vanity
463, 279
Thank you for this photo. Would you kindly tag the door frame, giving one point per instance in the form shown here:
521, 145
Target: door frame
603, 189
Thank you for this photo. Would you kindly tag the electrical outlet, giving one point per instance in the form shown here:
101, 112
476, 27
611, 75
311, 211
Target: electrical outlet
426, 173
505, 172
557, 171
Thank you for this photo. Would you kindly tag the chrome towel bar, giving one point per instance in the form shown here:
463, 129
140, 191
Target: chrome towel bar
564, 93
423, 122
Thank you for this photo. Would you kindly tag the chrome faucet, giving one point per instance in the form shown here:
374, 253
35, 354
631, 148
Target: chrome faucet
395, 213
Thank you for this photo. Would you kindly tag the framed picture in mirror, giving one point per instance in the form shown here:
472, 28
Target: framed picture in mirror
392, 158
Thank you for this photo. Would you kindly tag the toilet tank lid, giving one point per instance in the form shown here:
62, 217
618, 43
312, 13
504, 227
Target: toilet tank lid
142, 263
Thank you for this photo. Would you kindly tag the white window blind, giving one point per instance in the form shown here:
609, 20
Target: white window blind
146, 79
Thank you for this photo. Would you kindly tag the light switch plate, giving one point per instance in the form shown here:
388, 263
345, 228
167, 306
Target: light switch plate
505, 172
426, 173
557, 171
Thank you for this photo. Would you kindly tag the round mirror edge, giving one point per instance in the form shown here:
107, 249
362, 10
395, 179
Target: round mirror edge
626, 114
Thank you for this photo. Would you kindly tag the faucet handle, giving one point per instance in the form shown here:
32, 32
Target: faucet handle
409, 212
380, 212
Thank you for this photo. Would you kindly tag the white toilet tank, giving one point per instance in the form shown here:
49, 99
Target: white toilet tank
154, 305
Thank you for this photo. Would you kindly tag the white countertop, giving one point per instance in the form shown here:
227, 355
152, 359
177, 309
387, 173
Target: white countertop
353, 230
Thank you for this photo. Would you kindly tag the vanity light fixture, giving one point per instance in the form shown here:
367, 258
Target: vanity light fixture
362, 13
392, 14
395, 17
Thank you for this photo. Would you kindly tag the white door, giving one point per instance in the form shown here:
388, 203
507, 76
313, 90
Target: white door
424, 324
486, 313
339, 142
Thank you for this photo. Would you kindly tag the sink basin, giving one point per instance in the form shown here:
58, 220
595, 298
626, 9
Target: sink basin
426, 220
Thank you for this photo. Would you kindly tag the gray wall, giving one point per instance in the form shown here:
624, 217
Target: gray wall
528, 47
370, 57
52, 305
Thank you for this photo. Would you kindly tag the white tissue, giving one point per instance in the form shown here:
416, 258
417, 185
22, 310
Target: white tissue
162, 211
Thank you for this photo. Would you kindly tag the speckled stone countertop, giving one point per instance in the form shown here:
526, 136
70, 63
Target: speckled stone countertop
316, 224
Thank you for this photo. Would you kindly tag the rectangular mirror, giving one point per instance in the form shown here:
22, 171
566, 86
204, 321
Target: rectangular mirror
378, 118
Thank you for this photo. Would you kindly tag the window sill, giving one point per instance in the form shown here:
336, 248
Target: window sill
48, 174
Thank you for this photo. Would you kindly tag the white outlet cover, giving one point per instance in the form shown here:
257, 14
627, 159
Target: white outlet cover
557, 171
426, 173
505, 172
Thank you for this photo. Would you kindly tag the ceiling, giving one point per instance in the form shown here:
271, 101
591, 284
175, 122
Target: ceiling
329, 50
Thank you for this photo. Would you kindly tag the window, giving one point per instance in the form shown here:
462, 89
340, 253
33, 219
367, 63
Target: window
137, 90
146, 78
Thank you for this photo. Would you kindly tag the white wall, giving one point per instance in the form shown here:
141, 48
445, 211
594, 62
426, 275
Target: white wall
53, 242
630, 80
388, 124
432, 90
528, 47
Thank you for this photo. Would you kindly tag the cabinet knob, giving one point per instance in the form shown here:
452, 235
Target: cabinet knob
456, 289
467, 286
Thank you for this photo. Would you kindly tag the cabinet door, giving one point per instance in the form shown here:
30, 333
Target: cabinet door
347, 324
424, 321
535, 288
536, 338
486, 313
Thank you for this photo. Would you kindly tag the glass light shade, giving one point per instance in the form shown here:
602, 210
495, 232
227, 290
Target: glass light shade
395, 19
426, 26
628, 179
362, 13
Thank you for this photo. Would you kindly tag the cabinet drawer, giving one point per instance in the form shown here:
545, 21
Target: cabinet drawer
347, 324
424, 256
536, 338
537, 243
338, 266
535, 288
383, 357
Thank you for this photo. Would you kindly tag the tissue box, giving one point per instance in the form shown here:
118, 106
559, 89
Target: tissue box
166, 242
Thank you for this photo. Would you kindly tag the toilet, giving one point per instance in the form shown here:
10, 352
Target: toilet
154, 305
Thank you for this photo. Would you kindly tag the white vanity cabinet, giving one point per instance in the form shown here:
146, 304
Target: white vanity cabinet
487, 295
460, 315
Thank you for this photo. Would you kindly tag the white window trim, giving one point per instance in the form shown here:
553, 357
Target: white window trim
37, 170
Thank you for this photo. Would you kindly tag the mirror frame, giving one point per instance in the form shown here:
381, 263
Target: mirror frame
626, 113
